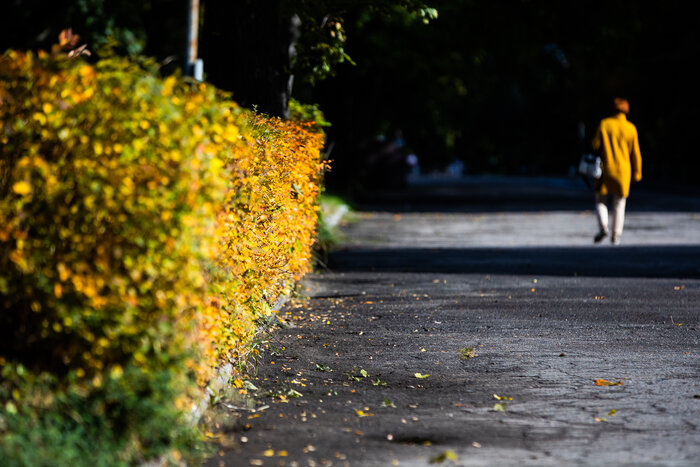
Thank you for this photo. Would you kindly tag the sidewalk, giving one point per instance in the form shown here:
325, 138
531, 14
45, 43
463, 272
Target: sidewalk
432, 310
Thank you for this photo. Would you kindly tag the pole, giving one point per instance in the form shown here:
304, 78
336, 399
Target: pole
193, 65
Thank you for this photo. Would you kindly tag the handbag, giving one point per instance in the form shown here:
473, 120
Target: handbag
590, 166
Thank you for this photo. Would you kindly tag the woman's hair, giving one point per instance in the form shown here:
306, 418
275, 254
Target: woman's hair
621, 105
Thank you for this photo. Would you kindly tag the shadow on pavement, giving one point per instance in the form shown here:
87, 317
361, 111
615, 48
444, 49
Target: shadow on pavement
634, 261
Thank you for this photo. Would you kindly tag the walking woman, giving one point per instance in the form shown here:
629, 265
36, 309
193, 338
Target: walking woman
617, 143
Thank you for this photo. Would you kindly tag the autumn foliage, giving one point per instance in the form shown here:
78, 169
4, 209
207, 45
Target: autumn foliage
146, 225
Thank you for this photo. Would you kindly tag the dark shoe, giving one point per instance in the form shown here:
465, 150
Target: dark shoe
600, 236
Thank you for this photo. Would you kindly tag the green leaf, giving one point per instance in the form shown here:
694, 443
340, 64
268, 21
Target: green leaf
466, 353
388, 403
322, 367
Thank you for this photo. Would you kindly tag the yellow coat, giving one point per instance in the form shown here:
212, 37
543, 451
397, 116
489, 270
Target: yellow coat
618, 145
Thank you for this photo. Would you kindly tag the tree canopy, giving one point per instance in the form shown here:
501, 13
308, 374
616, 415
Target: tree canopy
507, 86
504, 86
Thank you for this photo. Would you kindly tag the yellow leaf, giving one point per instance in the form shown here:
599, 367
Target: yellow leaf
86, 71
22, 188
502, 398
168, 86
448, 455
421, 376
116, 372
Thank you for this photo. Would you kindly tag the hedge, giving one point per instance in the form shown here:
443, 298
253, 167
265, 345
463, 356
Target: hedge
146, 225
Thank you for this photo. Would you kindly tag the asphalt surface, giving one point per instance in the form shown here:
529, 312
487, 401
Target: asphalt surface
466, 323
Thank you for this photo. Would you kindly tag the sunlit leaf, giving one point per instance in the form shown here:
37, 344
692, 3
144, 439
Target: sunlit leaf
21, 188
500, 407
604, 382
447, 455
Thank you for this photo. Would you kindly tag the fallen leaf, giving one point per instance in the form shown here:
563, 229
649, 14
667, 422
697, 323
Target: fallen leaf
421, 376
502, 398
598, 419
466, 353
448, 455
362, 413
500, 407
388, 403
322, 367
612, 412
604, 382
269, 453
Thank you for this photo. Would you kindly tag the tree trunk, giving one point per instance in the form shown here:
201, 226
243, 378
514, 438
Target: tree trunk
247, 46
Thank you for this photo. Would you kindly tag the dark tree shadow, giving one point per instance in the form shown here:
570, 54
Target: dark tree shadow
634, 261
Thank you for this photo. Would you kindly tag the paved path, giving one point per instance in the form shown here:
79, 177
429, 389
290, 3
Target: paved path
490, 287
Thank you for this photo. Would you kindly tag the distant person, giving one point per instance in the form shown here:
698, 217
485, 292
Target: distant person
617, 143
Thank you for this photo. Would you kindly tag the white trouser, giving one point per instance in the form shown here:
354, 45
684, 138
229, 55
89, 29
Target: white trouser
618, 213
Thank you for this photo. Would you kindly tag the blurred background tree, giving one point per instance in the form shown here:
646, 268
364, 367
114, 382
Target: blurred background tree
507, 86
504, 87
257, 48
